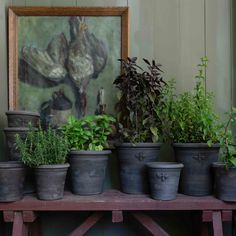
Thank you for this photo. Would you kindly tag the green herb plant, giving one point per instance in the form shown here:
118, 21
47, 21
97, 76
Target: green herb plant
188, 117
227, 148
43, 147
88, 133
139, 91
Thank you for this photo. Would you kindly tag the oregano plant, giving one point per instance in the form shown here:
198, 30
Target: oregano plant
188, 117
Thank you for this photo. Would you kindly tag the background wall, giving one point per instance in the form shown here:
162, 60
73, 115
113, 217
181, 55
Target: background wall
176, 33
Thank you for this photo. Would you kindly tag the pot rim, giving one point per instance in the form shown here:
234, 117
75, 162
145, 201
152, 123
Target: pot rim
219, 164
21, 112
166, 165
11, 164
196, 145
16, 129
133, 145
53, 166
83, 152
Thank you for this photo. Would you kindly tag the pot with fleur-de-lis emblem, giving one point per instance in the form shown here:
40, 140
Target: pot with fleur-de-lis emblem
197, 177
133, 170
164, 179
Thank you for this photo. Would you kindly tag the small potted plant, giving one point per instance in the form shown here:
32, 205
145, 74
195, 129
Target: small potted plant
225, 171
139, 91
190, 122
46, 151
88, 159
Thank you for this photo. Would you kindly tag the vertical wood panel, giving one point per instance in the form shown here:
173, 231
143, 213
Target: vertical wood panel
38, 3
191, 41
167, 36
63, 3
218, 45
18, 2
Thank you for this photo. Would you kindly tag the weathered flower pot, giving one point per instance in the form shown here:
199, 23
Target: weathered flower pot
50, 181
10, 137
133, 170
11, 181
225, 182
88, 169
164, 179
22, 118
196, 177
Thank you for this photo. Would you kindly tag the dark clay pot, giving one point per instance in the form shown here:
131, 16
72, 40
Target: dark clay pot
164, 179
88, 169
22, 118
50, 181
197, 177
225, 182
133, 170
10, 137
11, 181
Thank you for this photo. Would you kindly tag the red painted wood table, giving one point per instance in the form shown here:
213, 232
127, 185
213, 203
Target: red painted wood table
23, 213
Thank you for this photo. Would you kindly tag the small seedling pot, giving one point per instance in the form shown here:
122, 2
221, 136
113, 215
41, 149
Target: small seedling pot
133, 170
50, 181
225, 182
12, 176
164, 179
22, 118
88, 170
197, 176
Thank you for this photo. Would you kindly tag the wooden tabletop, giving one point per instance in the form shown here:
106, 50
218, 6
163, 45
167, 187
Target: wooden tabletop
112, 200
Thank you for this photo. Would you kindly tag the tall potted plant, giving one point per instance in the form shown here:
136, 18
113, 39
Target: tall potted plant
191, 123
46, 151
88, 159
225, 171
139, 91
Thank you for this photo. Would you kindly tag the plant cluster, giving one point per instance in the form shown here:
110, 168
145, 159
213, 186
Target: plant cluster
139, 92
43, 147
88, 133
227, 147
188, 117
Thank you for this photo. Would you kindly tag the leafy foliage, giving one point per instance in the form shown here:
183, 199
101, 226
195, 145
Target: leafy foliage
188, 117
89, 132
43, 147
139, 92
227, 149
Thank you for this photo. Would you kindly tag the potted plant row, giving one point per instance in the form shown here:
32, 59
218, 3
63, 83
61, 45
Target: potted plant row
139, 91
88, 160
45, 151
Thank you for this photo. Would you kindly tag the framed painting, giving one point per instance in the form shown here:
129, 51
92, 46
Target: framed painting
63, 60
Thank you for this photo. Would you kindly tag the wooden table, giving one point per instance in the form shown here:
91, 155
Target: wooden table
23, 213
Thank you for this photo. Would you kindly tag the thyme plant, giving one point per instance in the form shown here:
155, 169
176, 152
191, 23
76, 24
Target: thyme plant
43, 147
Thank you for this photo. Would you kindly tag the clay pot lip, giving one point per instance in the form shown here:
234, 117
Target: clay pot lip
21, 112
11, 164
77, 152
53, 166
138, 145
219, 164
195, 145
166, 165
16, 129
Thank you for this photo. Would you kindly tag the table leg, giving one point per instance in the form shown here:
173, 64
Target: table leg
19, 227
217, 223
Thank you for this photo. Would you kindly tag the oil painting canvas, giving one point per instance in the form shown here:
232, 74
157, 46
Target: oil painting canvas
66, 65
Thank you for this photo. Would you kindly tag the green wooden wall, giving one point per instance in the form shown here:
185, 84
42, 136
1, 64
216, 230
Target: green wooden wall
176, 33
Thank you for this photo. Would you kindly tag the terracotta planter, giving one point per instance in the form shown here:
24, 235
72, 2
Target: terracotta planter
196, 177
12, 176
133, 171
225, 182
50, 181
88, 170
164, 179
22, 118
